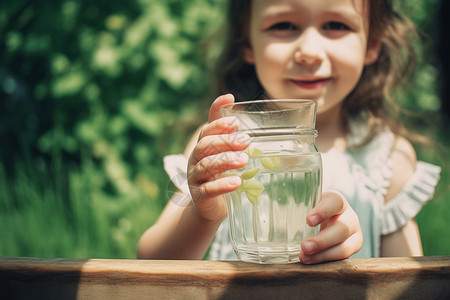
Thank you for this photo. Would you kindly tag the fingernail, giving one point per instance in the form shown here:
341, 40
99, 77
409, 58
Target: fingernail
314, 219
231, 121
305, 259
309, 246
243, 138
240, 141
234, 181
241, 157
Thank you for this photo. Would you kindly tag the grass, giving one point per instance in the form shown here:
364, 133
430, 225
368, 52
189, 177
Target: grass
61, 211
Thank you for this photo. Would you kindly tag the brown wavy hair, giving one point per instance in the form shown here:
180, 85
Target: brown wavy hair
372, 94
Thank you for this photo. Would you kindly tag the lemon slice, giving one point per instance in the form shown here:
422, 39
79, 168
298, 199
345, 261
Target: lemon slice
255, 152
253, 189
249, 173
270, 163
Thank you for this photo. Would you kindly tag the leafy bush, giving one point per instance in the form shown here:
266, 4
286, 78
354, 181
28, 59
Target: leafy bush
108, 84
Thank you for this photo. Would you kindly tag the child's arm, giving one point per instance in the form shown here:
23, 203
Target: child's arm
179, 233
167, 240
406, 240
186, 232
403, 242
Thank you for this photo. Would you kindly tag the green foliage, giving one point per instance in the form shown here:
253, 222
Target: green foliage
110, 85
92, 95
420, 93
104, 75
60, 211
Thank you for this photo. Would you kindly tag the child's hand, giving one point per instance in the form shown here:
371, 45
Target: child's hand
340, 234
218, 149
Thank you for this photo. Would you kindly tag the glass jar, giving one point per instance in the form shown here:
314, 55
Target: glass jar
281, 182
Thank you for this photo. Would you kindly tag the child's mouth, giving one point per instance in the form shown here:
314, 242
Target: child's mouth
311, 84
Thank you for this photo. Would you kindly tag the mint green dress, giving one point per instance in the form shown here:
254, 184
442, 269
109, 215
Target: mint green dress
362, 175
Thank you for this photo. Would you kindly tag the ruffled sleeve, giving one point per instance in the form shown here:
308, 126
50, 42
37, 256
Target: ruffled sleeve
378, 162
175, 166
407, 204
375, 161
375, 156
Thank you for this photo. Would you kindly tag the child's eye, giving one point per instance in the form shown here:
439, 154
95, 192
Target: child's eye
335, 26
283, 26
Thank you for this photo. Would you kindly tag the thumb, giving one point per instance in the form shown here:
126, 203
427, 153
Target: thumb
222, 100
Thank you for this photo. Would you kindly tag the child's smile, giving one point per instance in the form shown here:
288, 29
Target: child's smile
311, 83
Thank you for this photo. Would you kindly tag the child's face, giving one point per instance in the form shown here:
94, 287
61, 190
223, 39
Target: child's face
310, 49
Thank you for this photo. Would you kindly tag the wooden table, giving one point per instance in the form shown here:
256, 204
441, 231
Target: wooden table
378, 278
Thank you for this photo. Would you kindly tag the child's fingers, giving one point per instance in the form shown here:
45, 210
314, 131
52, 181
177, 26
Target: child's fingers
340, 251
215, 188
207, 168
331, 204
220, 126
337, 231
340, 234
214, 113
216, 144
207, 197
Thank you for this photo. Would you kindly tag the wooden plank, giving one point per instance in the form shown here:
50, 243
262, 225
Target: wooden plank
378, 278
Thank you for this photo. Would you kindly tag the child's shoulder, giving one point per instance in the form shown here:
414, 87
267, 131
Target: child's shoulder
404, 149
412, 183
403, 158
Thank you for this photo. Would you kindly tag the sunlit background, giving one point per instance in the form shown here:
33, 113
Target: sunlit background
94, 93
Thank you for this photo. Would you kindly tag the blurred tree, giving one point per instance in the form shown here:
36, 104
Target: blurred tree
92, 94
443, 46
104, 76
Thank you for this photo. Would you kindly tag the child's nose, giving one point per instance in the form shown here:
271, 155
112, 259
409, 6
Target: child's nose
309, 50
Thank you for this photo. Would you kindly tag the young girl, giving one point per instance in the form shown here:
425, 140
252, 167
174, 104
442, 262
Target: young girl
347, 55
